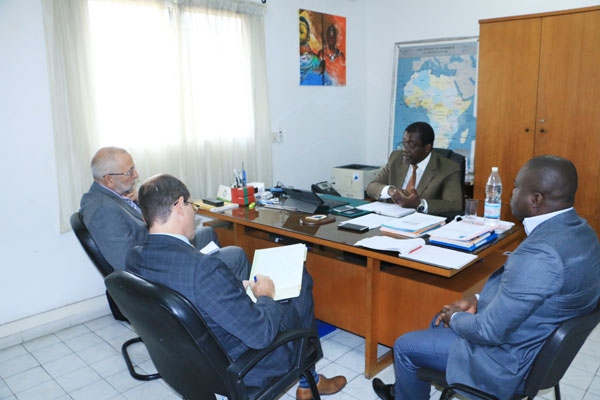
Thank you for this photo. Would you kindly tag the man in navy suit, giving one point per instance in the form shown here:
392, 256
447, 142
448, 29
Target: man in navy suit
436, 187
112, 215
490, 341
167, 257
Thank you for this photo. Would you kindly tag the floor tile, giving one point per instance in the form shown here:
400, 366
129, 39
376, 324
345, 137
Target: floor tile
84, 362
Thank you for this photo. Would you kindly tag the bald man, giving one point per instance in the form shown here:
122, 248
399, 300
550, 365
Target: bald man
114, 219
489, 341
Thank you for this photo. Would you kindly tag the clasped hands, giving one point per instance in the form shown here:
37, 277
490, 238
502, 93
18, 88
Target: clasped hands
467, 304
403, 198
261, 286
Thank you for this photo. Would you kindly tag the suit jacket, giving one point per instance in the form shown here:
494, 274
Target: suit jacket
237, 322
552, 276
440, 184
113, 224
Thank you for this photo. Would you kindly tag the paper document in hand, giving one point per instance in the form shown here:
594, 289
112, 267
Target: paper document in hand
389, 209
210, 248
386, 243
284, 265
440, 257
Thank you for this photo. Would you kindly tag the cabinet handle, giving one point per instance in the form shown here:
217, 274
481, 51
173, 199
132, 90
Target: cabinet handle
542, 130
526, 129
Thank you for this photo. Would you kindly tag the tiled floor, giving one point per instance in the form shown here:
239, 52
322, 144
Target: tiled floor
84, 363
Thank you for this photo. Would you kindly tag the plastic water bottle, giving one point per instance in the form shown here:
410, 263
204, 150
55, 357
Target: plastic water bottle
493, 197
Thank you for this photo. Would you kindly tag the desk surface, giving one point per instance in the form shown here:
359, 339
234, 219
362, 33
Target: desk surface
374, 294
288, 224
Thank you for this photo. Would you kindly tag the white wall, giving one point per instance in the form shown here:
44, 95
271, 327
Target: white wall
41, 269
323, 127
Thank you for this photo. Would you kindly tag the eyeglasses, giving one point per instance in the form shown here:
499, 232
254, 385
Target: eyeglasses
128, 173
195, 206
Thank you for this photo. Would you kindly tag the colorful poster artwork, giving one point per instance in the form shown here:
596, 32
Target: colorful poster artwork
322, 49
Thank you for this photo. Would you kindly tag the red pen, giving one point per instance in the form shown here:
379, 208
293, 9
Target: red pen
415, 249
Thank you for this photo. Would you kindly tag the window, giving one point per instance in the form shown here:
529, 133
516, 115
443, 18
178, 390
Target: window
182, 86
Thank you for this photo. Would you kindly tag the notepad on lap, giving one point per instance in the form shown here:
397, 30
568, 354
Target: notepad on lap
284, 265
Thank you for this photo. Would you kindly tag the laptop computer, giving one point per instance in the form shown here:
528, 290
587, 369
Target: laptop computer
307, 201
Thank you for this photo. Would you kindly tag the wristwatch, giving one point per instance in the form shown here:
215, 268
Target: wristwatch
421, 207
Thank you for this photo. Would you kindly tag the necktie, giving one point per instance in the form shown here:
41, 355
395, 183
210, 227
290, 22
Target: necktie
413, 178
133, 204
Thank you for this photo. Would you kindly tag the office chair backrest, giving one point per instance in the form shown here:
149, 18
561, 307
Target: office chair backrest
559, 351
89, 245
456, 157
184, 350
93, 252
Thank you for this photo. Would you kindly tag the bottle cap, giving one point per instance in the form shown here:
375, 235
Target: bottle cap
494, 169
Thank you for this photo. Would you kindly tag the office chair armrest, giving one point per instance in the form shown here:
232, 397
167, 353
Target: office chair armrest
240, 367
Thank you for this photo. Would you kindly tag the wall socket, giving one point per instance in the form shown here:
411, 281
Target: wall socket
277, 136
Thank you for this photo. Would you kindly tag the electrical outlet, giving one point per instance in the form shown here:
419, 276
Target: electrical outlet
277, 136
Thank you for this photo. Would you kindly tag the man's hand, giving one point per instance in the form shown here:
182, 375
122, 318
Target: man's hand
264, 286
467, 304
133, 195
403, 198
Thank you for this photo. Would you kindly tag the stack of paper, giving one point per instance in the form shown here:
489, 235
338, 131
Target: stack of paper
463, 235
386, 243
389, 209
417, 250
413, 225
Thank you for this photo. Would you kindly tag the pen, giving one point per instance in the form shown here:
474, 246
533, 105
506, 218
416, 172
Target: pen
254, 278
243, 175
415, 249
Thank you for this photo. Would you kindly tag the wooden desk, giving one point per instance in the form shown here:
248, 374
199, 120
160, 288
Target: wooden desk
373, 294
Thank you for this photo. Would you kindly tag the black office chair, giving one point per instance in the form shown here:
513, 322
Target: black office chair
93, 252
548, 368
187, 355
105, 269
456, 157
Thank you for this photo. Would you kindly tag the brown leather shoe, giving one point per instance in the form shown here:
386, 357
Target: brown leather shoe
325, 386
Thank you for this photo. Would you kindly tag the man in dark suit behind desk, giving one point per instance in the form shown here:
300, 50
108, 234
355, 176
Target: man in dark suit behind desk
490, 341
416, 177
167, 257
114, 219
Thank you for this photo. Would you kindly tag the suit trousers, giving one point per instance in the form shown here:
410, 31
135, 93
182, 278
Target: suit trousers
427, 348
233, 256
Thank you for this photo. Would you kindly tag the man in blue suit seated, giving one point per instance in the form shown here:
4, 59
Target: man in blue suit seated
112, 215
490, 341
166, 257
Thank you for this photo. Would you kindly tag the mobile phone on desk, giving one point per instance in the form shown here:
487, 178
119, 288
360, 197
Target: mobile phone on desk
353, 227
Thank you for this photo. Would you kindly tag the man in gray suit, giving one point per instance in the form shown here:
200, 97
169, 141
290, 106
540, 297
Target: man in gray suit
432, 184
114, 219
490, 341
238, 323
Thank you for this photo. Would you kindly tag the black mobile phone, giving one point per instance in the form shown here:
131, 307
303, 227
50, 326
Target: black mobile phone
353, 227
213, 201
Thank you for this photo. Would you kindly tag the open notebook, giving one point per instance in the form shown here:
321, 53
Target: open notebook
284, 265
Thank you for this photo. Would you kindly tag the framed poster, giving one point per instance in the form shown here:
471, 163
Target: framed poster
322, 49
435, 81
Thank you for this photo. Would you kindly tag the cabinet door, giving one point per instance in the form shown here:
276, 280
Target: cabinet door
507, 92
569, 101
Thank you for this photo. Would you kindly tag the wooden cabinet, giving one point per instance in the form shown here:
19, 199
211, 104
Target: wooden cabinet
539, 93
